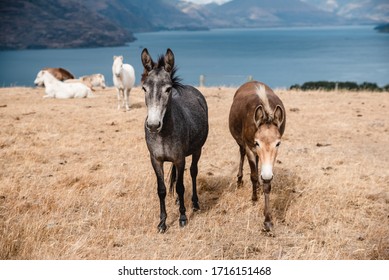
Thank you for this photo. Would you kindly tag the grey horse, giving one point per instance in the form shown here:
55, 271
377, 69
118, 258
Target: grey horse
176, 126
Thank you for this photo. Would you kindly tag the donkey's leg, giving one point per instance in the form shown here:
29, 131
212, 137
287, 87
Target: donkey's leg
240, 171
266, 211
173, 179
193, 173
254, 172
158, 169
180, 189
127, 98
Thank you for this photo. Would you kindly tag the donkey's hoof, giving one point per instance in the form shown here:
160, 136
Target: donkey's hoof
267, 226
183, 222
162, 227
195, 206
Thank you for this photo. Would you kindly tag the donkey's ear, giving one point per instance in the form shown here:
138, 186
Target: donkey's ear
259, 115
114, 57
169, 60
147, 62
279, 116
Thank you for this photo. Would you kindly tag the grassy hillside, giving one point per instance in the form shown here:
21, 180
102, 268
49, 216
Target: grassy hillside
76, 182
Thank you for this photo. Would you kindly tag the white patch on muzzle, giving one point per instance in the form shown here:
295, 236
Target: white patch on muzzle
154, 118
267, 172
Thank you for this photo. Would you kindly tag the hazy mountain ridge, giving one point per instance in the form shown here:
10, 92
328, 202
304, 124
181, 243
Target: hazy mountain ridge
356, 11
269, 13
95, 23
56, 24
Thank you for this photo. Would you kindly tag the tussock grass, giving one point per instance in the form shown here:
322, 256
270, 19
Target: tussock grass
76, 182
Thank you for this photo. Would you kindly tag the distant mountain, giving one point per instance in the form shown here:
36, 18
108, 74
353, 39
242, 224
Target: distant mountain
94, 23
89, 23
356, 11
262, 13
56, 24
145, 15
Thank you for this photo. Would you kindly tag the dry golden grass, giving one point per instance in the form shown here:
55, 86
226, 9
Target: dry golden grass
76, 182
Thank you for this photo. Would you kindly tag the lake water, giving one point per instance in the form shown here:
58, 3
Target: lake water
279, 57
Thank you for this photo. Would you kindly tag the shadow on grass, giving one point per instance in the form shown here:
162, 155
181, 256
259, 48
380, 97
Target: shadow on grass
286, 186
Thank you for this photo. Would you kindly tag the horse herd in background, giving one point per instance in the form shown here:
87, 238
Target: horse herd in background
176, 125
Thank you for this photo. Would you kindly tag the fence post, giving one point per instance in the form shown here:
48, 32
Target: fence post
202, 80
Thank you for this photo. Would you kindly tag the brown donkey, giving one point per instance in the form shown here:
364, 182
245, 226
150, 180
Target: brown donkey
257, 122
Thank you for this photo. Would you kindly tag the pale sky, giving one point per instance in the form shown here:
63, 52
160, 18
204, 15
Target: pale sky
207, 1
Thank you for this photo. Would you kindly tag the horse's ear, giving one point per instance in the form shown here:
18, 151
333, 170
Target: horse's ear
279, 116
259, 115
169, 60
114, 57
147, 62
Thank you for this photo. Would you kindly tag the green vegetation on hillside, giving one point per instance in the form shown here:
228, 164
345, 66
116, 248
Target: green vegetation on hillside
384, 28
326, 85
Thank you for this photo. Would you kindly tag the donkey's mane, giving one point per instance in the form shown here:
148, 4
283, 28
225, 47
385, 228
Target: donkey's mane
176, 80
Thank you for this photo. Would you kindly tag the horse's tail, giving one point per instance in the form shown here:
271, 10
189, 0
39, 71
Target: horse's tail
172, 179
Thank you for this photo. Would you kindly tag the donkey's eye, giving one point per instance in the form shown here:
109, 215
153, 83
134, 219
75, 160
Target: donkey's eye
278, 144
168, 89
144, 89
257, 144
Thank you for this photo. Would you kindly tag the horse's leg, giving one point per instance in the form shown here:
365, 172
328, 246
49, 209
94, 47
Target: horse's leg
158, 169
118, 94
180, 189
253, 161
240, 171
123, 98
266, 211
193, 173
127, 98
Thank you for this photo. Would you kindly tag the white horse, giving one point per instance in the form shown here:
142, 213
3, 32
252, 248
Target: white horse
96, 80
57, 89
87, 83
123, 79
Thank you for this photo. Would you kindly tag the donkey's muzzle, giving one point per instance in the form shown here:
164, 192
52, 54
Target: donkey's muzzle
153, 127
266, 172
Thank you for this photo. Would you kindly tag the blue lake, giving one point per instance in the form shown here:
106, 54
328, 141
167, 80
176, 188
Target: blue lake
279, 57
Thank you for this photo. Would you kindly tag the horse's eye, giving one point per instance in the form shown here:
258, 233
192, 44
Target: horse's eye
168, 89
144, 89
278, 144
257, 144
